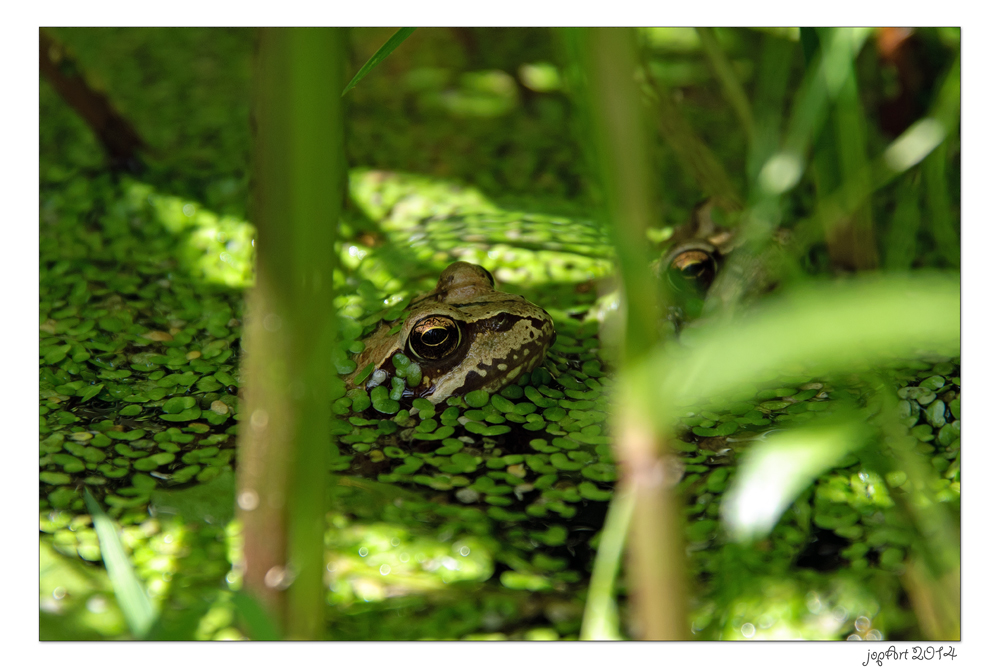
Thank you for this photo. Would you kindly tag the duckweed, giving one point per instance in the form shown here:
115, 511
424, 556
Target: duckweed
561, 462
502, 404
477, 399
536, 397
599, 472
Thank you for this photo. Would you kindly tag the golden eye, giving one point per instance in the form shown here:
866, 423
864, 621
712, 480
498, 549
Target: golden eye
434, 337
693, 268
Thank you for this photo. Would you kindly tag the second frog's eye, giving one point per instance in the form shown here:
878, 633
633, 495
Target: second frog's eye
692, 268
434, 337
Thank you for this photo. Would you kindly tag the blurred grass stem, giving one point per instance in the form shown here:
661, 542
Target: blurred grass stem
724, 71
618, 137
694, 155
284, 439
932, 576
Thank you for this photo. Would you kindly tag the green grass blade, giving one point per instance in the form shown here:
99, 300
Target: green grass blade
600, 615
731, 88
901, 242
907, 151
939, 206
825, 78
298, 186
768, 101
129, 591
948, 99
694, 154
611, 103
257, 623
840, 160
380, 55
823, 85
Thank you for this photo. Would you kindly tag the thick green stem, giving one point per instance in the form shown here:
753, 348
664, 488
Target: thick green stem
619, 138
298, 173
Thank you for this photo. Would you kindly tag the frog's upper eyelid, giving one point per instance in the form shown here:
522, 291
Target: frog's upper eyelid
442, 309
493, 282
688, 246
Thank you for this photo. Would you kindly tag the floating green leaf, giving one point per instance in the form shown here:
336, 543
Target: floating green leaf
88, 393
187, 415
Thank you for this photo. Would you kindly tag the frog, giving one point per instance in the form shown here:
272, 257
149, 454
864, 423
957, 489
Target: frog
690, 266
465, 335
690, 262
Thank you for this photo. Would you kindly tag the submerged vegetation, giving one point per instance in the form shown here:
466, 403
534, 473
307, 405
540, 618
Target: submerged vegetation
784, 447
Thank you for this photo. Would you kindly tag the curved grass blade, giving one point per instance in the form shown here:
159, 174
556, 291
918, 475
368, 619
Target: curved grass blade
826, 328
824, 80
380, 55
131, 596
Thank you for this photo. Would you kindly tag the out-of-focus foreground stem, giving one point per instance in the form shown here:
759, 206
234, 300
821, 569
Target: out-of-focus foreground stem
284, 440
619, 138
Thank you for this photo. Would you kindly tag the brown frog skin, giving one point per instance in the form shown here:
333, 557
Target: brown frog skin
465, 335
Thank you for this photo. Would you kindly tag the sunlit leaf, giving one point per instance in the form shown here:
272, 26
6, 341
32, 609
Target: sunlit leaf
913, 145
775, 471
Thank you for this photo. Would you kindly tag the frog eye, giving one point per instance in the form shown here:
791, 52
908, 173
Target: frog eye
692, 268
434, 337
